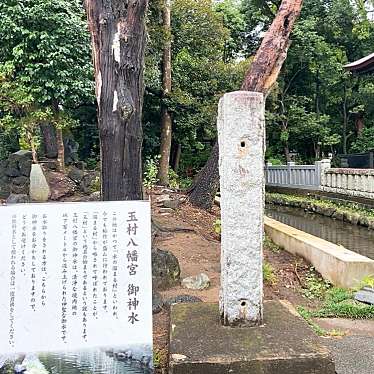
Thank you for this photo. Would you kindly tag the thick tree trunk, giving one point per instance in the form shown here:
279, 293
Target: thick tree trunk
205, 187
260, 77
117, 29
166, 120
49, 140
359, 123
60, 151
176, 156
269, 59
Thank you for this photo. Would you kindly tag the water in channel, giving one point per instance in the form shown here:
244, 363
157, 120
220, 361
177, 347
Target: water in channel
356, 238
87, 362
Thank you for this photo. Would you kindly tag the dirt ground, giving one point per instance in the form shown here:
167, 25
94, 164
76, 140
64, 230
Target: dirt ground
198, 250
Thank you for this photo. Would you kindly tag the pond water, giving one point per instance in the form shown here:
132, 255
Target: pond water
355, 238
87, 362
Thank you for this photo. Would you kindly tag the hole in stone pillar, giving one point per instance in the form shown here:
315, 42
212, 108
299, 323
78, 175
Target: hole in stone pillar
242, 144
243, 303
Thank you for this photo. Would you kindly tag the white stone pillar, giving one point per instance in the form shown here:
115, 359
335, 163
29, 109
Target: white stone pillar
241, 135
322, 166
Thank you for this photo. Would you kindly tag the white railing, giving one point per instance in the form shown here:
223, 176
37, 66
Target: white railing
352, 182
296, 176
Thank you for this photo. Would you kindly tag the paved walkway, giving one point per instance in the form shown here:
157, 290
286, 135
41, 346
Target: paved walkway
354, 352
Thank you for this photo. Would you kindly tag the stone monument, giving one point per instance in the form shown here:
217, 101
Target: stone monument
243, 334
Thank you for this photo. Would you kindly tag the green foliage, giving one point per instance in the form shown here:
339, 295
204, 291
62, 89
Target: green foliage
178, 183
217, 226
47, 43
45, 66
268, 273
95, 185
201, 34
340, 303
150, 172
364, 142
368, 281
313, 109
308, 318
269, 244
315, 287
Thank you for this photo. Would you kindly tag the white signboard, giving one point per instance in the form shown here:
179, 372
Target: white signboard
75, 276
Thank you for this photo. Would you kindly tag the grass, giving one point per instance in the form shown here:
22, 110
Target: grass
269, 274
337, 303
315, 287
269, 244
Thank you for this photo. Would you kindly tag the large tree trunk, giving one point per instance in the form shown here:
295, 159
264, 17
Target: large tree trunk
117, 29
60, 151
205, 187
260, 77
166, 120
49, 140
176, 156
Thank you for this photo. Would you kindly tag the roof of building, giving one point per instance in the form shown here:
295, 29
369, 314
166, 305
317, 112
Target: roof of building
362, 66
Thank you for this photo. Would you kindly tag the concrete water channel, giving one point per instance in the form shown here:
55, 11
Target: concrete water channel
355, 238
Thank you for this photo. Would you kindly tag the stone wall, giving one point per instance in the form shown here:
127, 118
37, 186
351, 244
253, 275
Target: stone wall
15, 174
351, 182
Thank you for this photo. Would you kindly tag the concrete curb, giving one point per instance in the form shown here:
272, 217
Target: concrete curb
335, 263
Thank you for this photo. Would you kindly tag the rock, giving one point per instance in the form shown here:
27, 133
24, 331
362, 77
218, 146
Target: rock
166, 210
162, 198
95, 196
18, 181
50, 165
71, 149
364, 221
19, 189
366, 295
371, 223
12, 169
165, 269
172, 204
17, 199
182, 299
76, 174
39, 189
338, 215
157, 302
4, 187
328, 212
60, 185
21, 160
90, 182
197, 282
81, 165
20, 185
3, 166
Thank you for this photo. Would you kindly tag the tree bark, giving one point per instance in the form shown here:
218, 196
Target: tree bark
118, 35
260, 77
205, 187
359, 123
269, 59
49, 140
166, 120
60, 151
176, 157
